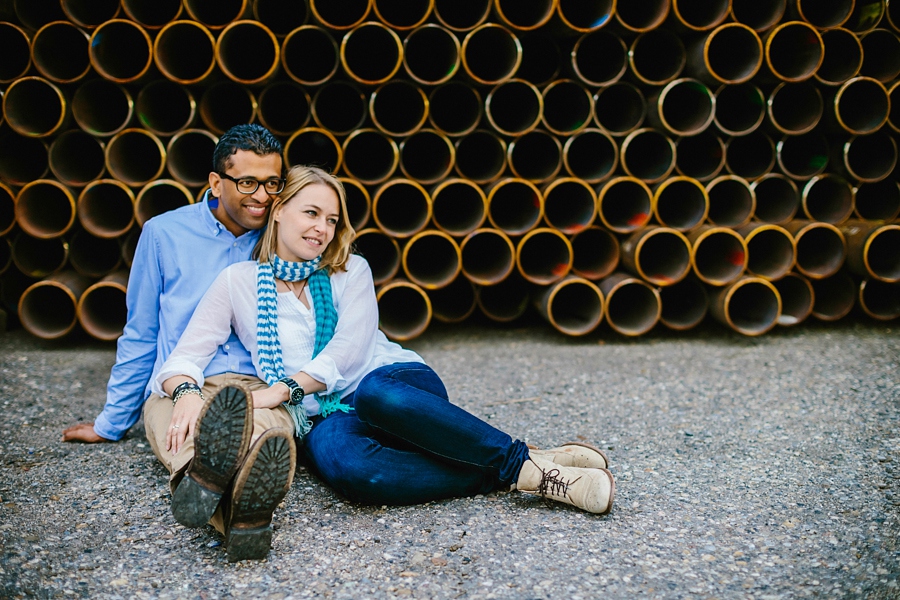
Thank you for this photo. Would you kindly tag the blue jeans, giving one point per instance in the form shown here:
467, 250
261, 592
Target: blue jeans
407, 444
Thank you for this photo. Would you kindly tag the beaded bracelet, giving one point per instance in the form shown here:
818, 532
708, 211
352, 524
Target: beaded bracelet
186, 388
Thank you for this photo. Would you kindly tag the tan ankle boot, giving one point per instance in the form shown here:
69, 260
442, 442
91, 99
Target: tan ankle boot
588, 489
574, 454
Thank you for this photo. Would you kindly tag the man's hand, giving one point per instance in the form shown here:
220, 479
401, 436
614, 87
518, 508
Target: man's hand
83, 432
271, 397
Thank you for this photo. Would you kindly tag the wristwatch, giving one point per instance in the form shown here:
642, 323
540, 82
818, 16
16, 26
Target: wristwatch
297, 392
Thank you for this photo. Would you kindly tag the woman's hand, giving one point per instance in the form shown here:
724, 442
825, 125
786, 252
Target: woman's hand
271, 397
184, 421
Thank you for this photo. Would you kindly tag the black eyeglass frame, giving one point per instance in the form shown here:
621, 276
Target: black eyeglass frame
237, 181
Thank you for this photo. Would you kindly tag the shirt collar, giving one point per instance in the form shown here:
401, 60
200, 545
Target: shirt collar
215, 226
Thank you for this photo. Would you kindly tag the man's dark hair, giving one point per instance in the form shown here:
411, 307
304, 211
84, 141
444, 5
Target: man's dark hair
252, 137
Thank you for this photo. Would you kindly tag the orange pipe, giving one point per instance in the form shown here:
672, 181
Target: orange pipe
185, 52
34, 107
340, 14
657, 57
859, 106
544, 256
22, 159
284, 107
827, 198
591, 155
880, 300
681, 203
867, 158
873, 249
585, 17
247, 52
219, 14
516, 15
740, 108
381, 251
750, 156
693, 16
401, 208
313, 145
514, 107
359, 203
682, 107
402, 17
59, 50
718, 254
129, 245
823, 15
535, 156
76, 158
866, 17
505, 301
47, 309
700, 156
225, 103
599, 72
7, 209
795, 108
619, 108
624, 204
797, 298
455, 108
570, 205
595, 253
684, 304
93, 256
642, 16
158, 197
793, 51
101, 309
632, 307
659, 255
121, 51
398, 108
153, 15
165, 108
843, 56
370, 156
730, 54
427, 156
371, 53
431, 259
488, 256
310, 55
751, 306
567, 107
802, 156
573, 306
771, 251
281, 16
5, 255
45, 209
759, 15
648, 155
106, 208
33, 14
135, 157
515, 206
821, 248
404, 310
732, 201
187, 156
16, 52
39, 257
453, 303
102, 108
777, 198
834, 296
878, 201
480, 156
490, 54
459, 206
462, 15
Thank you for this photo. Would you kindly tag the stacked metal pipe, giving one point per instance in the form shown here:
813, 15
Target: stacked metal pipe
622, 163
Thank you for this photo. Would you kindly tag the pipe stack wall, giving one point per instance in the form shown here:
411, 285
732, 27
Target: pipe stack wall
614, 168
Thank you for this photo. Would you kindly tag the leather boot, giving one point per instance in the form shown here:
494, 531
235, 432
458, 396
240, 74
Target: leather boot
588, 489
574, 454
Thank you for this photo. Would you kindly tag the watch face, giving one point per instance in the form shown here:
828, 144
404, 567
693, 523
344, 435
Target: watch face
296, 395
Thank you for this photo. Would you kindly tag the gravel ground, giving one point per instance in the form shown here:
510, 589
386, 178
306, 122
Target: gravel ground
746, 468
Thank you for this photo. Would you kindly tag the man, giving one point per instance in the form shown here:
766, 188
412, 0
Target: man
240, 453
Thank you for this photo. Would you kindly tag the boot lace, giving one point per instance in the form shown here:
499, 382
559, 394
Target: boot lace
552, 484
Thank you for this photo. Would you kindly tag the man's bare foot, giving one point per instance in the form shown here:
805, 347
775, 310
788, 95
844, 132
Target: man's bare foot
83, 432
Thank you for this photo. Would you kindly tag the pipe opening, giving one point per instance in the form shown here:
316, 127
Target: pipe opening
47, 310
5, 255
843, 56
535, 156
371, 53
247, 52
795, 108
740, 108
102, 311
458, 206
719, 256
34, 14
700, 156
660, 255
685, 107
121, 50
22, 159
381, 251
404, 310
341, 14
16, 52
135, 157
862, 105
36, 257
591, 155
770, 251
524, 15
567, 107
701, 15
153, 15
480, 156
600, 58
7, 210
34, 107
570, 205
187, 156
370, 156
514, 108
405, 15
731, 201
129, 246
820, 250
624, 204
93, 256
751, 306
585, 16
648, 155
401, 208
462, 15
504, 301
574, 306
340, 107
681, 203
488, 256
657, 57
165, 107
794, 51
431, 259
870, 157
803, 156
60, 52
733, 53
796, 294
215, 15
684, 304
103, 108
828, 198
595, 253
159, 197
515, 206
106, 208
878, 201
284, 107
750, 156
777, 198
279, 16
45, 209
313, 146
882, 254
431, 54
427, 156
76, 158
825, 14
880, 300
866, 17
541, 58
642, 16
359, 203
455, 108
185, 52
544, 256
491, 54
619, 109
453, 303
310, 55
632, 306
398, 108
226, 104
834, 297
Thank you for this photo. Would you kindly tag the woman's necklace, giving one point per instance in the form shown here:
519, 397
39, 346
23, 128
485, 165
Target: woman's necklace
297, 293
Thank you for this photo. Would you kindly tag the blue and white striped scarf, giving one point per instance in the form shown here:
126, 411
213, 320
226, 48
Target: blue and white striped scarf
270, 359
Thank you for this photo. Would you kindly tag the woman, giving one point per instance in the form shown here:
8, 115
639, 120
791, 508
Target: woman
374, 419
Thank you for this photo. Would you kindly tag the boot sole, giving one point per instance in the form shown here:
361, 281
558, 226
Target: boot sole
221, 440
260, 485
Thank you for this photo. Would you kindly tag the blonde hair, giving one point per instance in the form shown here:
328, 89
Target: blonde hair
337, 253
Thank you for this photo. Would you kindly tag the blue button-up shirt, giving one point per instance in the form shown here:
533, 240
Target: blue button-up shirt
178, 256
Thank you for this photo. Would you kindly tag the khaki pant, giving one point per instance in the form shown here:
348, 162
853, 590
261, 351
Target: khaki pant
158, 419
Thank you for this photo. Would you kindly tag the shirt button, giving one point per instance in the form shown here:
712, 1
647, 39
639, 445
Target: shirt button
235, 244
233, 367
227, 347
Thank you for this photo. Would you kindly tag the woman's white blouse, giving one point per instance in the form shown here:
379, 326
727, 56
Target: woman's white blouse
357, 348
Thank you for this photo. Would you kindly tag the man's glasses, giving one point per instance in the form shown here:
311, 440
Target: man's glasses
248, 185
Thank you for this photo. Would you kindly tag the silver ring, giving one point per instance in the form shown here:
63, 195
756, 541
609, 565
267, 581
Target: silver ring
175, 426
